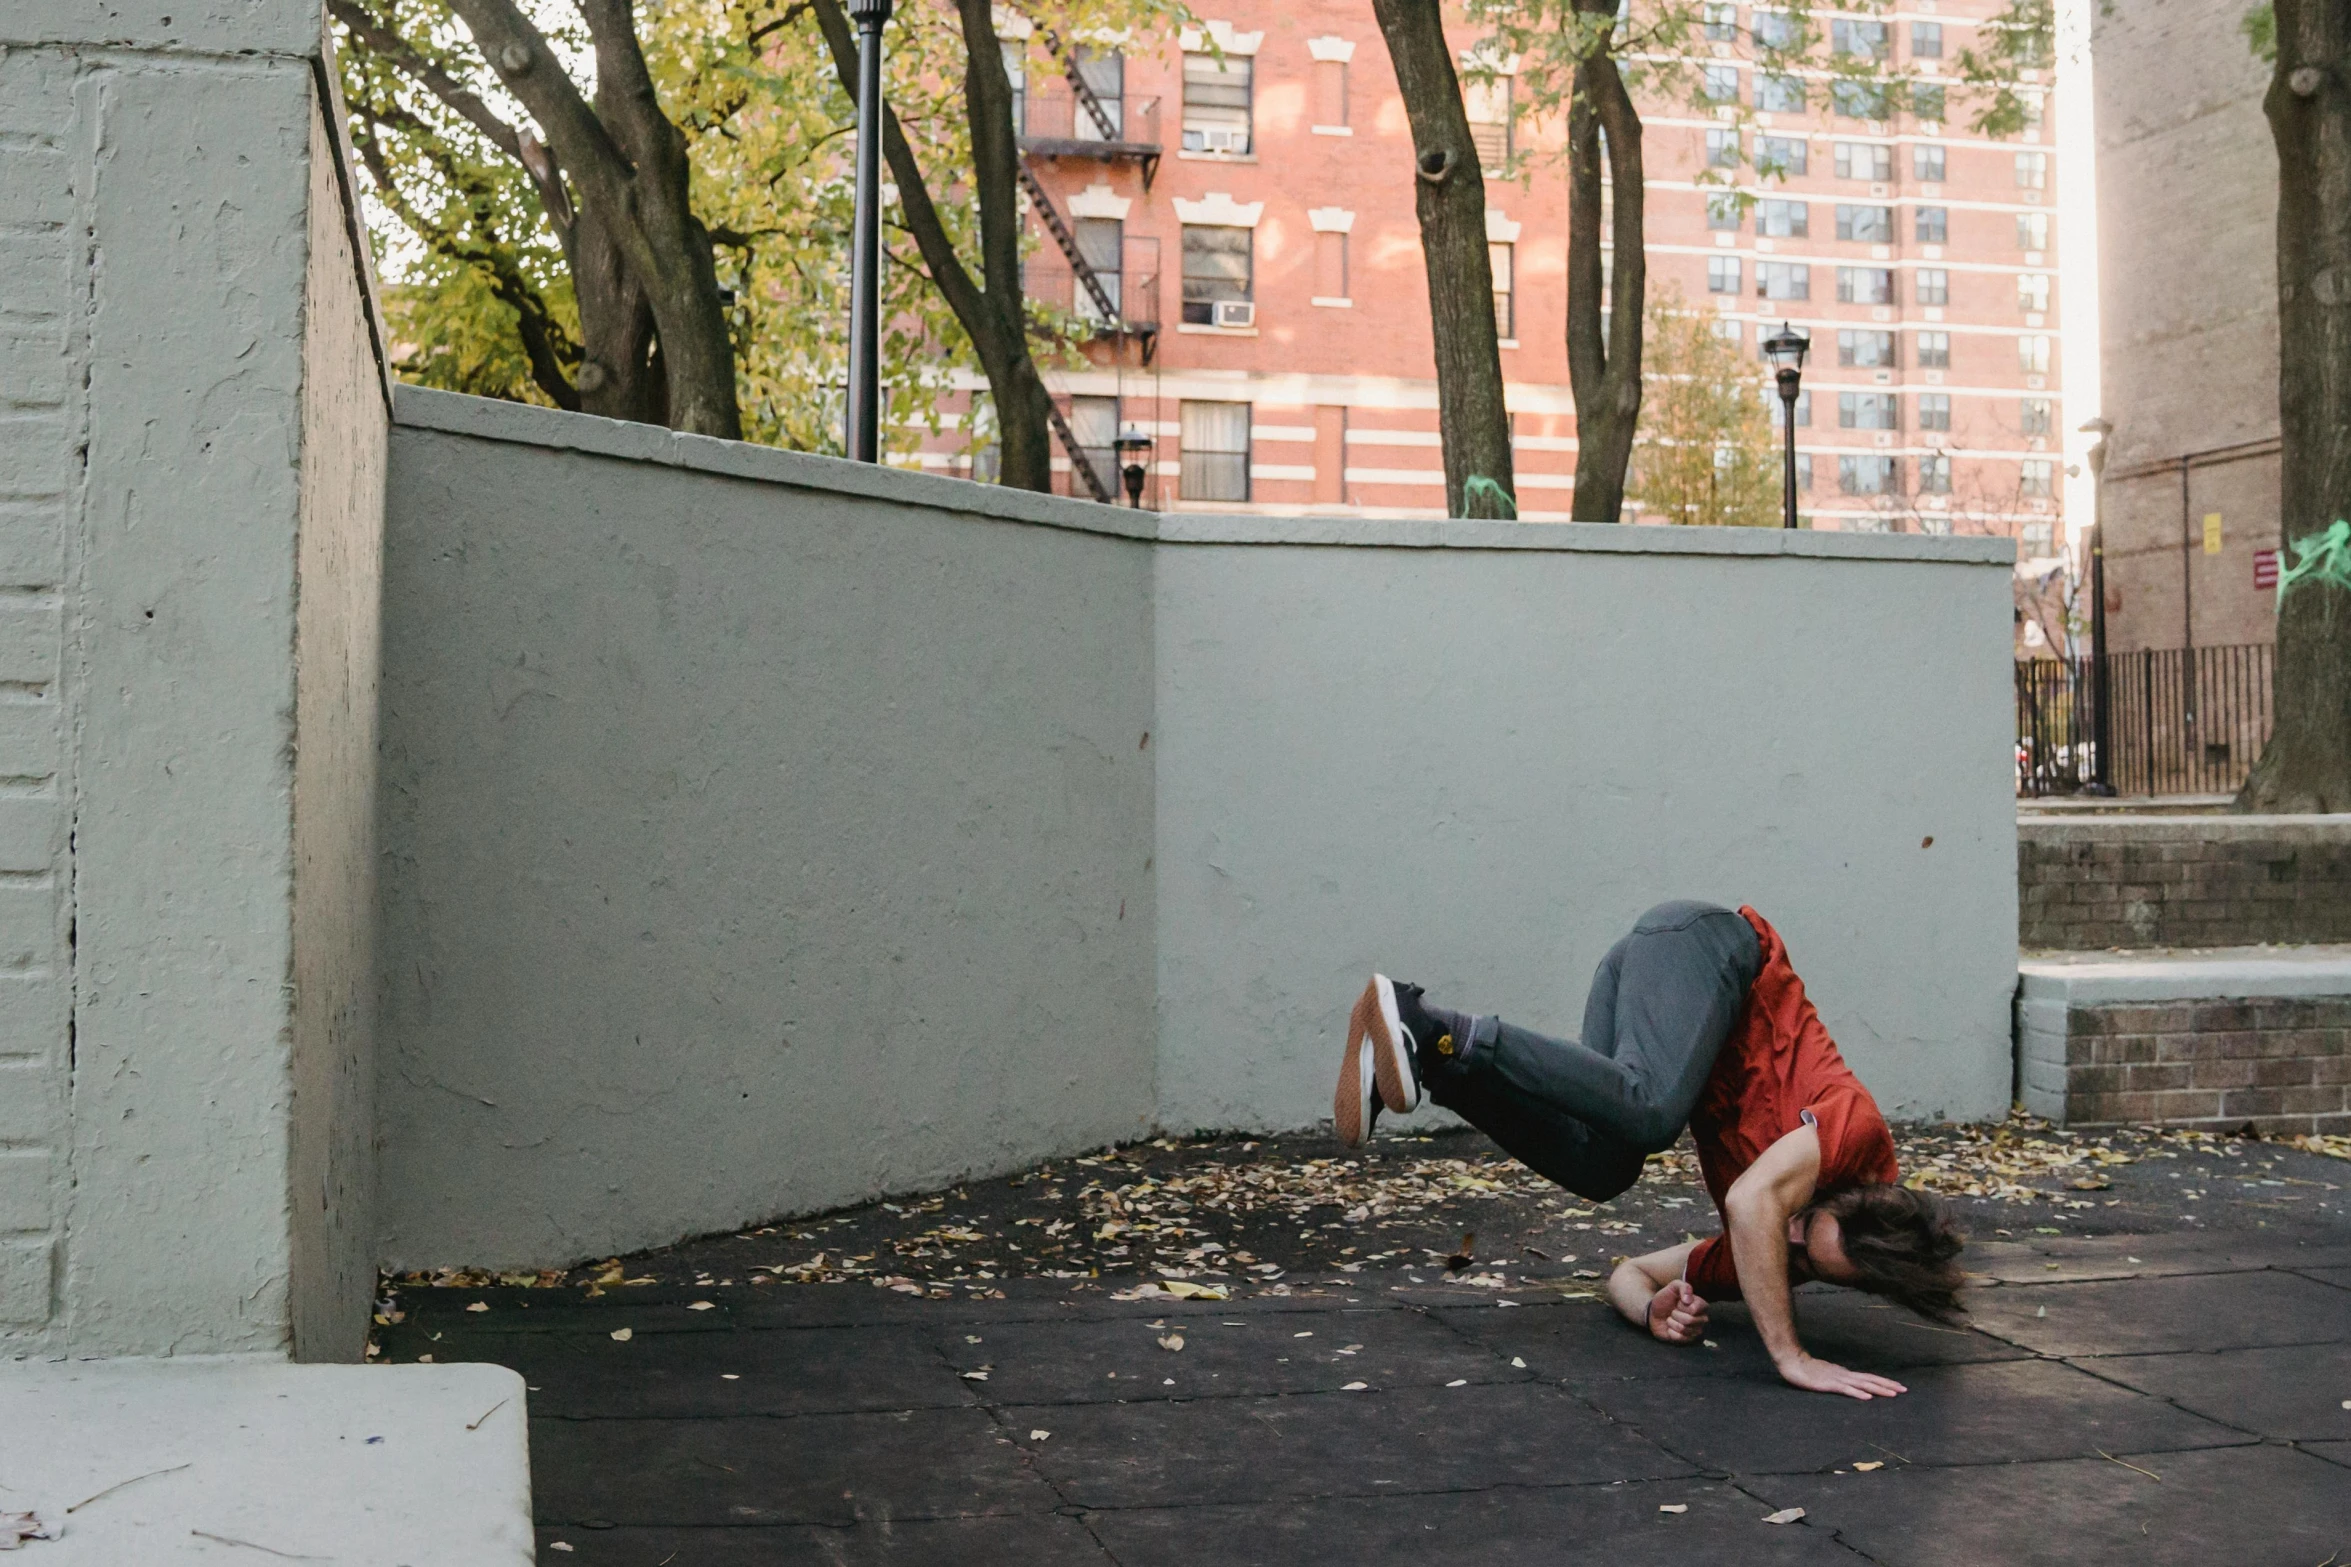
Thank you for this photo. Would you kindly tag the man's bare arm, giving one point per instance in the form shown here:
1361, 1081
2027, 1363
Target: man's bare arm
1756, 1212
1648, 1292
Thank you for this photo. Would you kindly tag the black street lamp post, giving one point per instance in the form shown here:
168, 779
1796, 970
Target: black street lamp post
2101, 729
861, 433
1785, 350
1133, 446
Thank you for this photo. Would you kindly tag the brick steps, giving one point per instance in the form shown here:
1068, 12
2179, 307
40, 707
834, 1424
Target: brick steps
2213, 1038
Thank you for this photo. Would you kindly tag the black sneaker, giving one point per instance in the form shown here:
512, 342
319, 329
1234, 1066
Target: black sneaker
1386, 1034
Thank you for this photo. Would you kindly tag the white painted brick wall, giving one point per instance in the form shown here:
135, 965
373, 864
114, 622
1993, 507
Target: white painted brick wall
41, 130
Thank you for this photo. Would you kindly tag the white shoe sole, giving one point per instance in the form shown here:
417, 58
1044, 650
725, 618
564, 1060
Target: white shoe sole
1382, 1028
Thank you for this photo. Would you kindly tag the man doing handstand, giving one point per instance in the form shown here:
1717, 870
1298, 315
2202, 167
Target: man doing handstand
1695, 1019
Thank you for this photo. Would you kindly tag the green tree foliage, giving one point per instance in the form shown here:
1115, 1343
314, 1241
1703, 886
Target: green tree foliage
1705, 453
482, 290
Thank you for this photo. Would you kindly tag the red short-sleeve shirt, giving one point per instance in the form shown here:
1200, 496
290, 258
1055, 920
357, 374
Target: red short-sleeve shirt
1778, 1070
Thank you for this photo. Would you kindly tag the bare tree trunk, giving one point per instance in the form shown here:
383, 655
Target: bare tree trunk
1024, 435
1449, 196
2307, 765
993, 317
616, 375
1603, 369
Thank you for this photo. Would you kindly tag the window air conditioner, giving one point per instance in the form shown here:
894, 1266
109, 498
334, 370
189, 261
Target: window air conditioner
1235, 312
1224, 141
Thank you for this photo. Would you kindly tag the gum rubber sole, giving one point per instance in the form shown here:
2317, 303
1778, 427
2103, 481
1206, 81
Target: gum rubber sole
1351, 1105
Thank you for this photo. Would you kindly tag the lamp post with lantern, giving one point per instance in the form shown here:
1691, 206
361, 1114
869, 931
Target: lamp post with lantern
1785, 349
1132, 447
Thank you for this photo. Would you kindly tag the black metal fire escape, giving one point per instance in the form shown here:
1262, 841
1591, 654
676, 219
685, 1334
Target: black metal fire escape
1082, 270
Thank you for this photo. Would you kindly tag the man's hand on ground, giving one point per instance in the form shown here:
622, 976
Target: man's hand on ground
1821, 1376
1677, 1314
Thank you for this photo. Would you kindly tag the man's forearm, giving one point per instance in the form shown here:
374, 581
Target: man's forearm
1629, 1290
1759, 1250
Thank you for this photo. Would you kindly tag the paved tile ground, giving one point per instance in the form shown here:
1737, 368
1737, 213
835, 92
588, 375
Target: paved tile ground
2146, 1377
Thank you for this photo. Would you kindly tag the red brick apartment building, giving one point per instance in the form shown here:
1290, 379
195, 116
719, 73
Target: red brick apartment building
1238, 223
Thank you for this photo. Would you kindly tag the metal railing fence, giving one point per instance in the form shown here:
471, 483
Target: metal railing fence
2178, 722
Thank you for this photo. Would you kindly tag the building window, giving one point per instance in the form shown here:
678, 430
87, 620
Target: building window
1488, 105
1869, 475
1330, 92
1857, 100
2032, 171
1104, 72
1934, 352
2032, 291
1016, 71
1866, 349
1926, 40
1216, 102
1721, 84
1102, 241
1782, 155
1777, 30
1783, 219
1776, 94
1934, 474
2032, 231
1217, 268
1722, 23
2035, 478
1867, 411
1864, 160
1926, 163
1871, 225
1934, 410
1865, 286
2034, 105
1933, 285
1783, 280
2033, 416
1501, 258
1867, 40
1215, 451
1722, 274
1804, 471
1927, 101
1722, 149
1931, 225
2032, 354
1729, 331
1771, 398
1722, 212
1094, 421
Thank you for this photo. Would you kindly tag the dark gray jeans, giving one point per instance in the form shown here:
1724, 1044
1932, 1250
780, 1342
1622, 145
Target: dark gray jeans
1585, 1115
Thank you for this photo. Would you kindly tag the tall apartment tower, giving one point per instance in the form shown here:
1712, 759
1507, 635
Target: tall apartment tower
1232, 222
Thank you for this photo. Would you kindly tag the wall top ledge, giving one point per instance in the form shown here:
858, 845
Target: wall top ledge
2166, 828
453, 413
290, 28
2219, 973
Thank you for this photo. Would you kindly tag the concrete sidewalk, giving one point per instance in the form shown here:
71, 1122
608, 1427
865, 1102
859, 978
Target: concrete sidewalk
2143, 1398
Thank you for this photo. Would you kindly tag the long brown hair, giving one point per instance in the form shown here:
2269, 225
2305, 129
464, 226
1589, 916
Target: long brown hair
1904, 1244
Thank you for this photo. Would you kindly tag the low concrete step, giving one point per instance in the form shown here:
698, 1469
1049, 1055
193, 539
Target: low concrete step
2214, 1037
151, 1461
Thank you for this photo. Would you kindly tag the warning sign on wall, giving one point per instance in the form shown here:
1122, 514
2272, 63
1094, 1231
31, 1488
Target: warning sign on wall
2265, 568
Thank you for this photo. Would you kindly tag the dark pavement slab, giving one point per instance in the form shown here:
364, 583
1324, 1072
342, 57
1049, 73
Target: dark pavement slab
2245, 1506
2160, 1380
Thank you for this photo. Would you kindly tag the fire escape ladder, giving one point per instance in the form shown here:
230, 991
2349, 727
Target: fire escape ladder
1079, 266
1079, 463
1084, 92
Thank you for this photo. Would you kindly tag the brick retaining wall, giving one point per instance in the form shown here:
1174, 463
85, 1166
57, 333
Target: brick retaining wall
2283, 1064
2182, 881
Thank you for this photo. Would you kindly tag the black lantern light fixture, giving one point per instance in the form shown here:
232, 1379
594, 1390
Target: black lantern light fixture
1132, 446
861, 421
1785, 349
